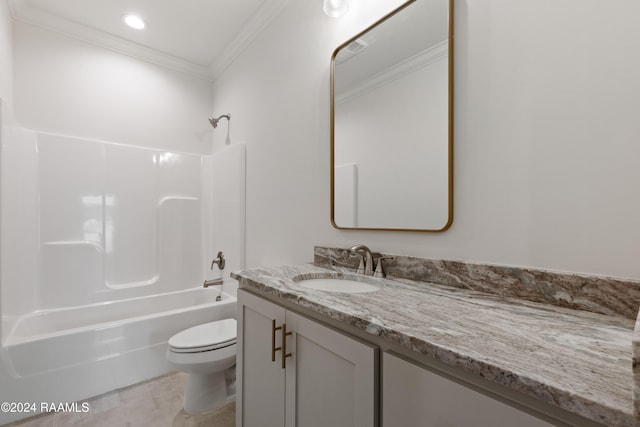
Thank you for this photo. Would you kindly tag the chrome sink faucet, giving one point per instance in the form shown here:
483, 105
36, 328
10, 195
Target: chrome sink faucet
368, 258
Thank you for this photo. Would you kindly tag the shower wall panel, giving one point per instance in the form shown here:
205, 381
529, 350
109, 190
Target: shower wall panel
108, 221
131, 218
69, 215
19, 234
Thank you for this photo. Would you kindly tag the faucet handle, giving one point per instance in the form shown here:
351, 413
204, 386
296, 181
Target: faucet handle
379, 270
219, 260
360, 269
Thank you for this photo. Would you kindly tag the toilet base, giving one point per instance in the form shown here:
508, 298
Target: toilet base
205, 393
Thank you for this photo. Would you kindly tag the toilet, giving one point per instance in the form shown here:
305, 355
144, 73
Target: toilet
207, 353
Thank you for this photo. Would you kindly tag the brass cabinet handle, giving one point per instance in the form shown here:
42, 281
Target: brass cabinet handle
273, 339
285, 334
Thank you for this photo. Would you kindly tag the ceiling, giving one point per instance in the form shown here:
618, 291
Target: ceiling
200, 37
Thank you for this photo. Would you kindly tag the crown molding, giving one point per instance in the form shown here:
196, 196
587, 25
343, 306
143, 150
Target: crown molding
269, 10
420, 60
263, 17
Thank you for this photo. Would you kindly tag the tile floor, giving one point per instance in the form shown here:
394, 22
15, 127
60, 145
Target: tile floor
155, 403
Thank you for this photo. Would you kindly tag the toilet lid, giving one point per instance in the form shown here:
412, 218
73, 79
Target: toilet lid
208, 336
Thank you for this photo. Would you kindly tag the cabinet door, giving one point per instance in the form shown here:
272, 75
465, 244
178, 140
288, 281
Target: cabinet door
330, 377
260, 381
414, 396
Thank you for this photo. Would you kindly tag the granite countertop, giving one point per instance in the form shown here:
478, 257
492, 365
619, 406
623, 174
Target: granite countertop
576, 360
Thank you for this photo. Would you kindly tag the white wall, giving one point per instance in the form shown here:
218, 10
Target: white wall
6, 59
546, 135
66, 86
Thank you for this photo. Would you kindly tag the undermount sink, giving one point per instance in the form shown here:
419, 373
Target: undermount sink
343, 284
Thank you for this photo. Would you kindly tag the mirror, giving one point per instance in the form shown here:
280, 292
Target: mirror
392, 122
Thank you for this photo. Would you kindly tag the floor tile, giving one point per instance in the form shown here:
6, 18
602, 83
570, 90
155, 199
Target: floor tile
155, 403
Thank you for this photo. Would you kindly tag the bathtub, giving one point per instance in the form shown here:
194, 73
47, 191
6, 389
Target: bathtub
66, 355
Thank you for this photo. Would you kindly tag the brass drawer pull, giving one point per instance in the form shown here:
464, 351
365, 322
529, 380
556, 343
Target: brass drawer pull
285, 334
273, 340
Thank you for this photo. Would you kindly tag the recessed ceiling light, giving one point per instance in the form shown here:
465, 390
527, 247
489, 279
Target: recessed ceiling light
134, 21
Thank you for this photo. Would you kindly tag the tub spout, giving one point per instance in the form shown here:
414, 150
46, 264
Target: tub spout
212, 282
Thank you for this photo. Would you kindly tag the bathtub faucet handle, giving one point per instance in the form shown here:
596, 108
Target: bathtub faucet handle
219, 260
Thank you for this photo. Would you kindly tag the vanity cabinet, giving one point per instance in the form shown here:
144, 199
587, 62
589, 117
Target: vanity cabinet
414, 396
293, 371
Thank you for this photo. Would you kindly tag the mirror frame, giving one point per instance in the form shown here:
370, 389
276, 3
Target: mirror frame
449, 113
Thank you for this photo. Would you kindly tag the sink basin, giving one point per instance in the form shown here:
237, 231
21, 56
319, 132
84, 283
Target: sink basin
337, 284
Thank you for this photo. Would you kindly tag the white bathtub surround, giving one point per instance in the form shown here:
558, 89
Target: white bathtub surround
104, 251
86, 360
98, 221
572, 359
78, 335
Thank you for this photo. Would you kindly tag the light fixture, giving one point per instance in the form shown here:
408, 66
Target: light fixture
335, 8
134, 22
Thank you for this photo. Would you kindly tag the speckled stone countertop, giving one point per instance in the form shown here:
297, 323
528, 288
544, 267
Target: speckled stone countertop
573, 359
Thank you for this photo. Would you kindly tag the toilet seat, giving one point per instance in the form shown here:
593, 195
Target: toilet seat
205, 337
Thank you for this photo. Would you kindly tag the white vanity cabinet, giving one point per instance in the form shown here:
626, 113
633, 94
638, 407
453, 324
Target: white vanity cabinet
326, 378
413, 396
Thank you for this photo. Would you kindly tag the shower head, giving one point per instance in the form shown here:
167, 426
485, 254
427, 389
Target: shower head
214, 121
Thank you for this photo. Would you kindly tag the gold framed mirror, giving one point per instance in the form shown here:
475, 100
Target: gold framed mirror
392, 122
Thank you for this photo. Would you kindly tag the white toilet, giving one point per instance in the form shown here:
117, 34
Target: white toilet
205, 352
